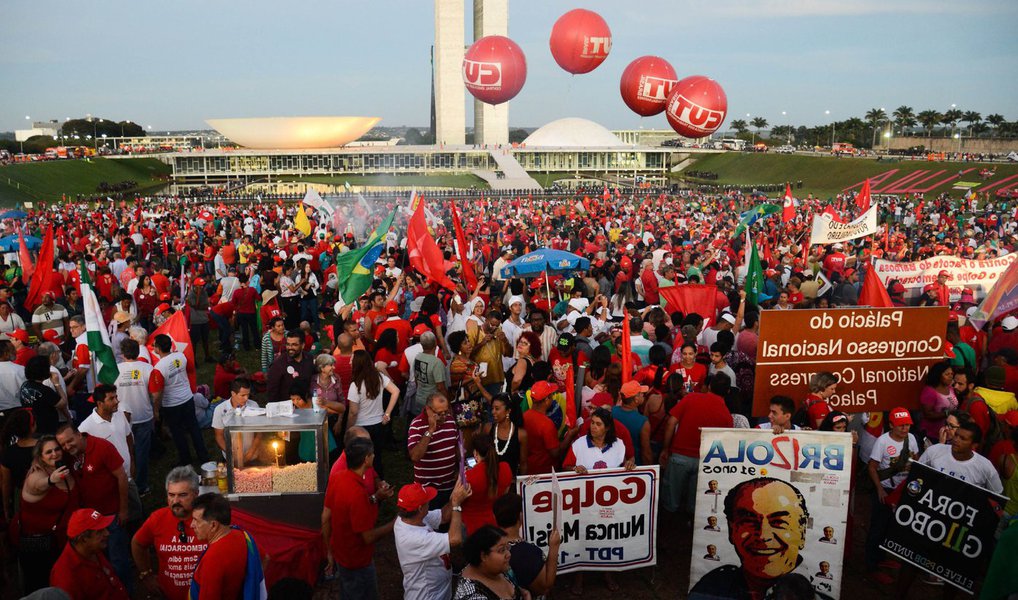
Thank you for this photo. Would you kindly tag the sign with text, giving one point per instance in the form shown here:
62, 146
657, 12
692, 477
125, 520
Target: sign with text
945, 526
976, 275
608, 518
770, 508
828, 231
881, 355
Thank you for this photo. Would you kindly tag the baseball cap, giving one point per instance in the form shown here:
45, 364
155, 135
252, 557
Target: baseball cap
50, 335
414, 495
391, 308
929, 287
565, 340
943, 274
542, 389
20, 335
900, 416
1009, 323
164, 296
967, 296
632, 388
838, 246
605, 399
849, 273
86, 519
897, 289
728, 318
199, 281
421, 329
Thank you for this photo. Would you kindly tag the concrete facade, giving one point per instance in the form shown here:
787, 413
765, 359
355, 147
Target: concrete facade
450, 105
491, 123
947, 144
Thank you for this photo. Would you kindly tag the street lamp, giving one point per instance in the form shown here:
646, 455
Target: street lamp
887, 142
828, 113
29, 119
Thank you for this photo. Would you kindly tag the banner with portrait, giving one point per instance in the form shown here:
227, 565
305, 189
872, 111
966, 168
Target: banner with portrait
771, 512
607, 517
945, 526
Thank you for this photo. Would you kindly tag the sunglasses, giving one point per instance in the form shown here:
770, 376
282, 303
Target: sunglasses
182, 531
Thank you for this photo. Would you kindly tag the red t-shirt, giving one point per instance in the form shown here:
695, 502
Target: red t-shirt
220, 572
477, 510
403, 331
352, 514
340, 465
95, 471
224, 310
693, 377
542, 438
245, 299
85, 579
176, 559
695, 411
23, 355
268, 312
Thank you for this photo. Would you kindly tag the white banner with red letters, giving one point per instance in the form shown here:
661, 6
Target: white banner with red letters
976, 275
607, 518
828, 231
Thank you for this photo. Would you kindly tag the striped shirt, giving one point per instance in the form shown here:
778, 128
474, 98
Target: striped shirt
440, 463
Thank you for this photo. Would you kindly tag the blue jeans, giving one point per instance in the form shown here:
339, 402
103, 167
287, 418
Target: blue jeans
142, 433
183, 424
358, 583
309, 311
680, 483
118, 550
248, 324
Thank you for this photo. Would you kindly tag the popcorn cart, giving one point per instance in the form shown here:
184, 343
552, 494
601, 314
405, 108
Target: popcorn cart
277, 467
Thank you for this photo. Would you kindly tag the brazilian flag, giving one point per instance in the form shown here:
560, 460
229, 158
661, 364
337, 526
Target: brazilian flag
753, 215
355, 269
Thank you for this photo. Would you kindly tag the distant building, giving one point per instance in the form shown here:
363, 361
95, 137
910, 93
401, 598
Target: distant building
48, 128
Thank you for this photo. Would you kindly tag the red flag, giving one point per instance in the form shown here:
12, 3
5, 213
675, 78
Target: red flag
570, 397
176, 328
788, 208
829, 210
43, 281
862, 199
873, 293
919, 210
691, 298
424, 253
469, 278
627, 351
25, 258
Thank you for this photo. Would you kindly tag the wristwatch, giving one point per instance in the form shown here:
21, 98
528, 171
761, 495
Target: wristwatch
458, 509
427, 434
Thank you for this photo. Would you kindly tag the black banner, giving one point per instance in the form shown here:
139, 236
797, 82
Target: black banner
945, 526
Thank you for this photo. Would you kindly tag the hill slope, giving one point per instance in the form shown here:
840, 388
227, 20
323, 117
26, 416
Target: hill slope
50, 179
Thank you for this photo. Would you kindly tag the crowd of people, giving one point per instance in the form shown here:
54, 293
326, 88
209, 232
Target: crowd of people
468, 381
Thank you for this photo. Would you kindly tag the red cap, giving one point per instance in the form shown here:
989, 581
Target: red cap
632, 388
164, 296
20, 335
161, 308
944, 274
414, 495
900, 416
199, 281
929, 287
542, 389
849, 273
86, 519
50, 335
391, 308
421, 329
602, 399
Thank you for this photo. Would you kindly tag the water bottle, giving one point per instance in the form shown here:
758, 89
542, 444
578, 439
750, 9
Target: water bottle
314, 401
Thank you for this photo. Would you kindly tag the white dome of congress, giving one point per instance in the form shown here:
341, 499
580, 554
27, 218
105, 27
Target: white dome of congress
573, 132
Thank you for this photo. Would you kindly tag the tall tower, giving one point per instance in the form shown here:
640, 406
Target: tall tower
491, 123
450, 113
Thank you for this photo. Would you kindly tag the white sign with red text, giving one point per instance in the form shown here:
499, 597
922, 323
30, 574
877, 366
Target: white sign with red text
976, 275
608, 517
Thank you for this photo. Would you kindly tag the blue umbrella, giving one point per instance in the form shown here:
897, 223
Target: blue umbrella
13, 214
10, 243
545, 260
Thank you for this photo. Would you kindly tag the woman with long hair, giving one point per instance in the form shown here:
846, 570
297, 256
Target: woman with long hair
508, 436
468, 397
18, 445
489, 479
365, 398
527, 347
273, 342
937, 399
47, 501
387, 352
146, 299
485, 576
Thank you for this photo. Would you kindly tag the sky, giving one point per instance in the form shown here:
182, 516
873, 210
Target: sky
171, 65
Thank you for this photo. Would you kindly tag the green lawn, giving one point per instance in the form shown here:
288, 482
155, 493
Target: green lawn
821, 175
438, 180
49, 180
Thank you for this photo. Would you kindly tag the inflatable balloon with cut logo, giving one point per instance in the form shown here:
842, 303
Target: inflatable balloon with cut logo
697, 106
494, 69
580, 41
646, 83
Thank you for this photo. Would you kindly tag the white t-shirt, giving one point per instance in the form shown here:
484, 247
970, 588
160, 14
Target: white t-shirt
176, 385
12, 322
590, 456
370, 410
977, 470
132, 390
424, 558
114, 431
886, 449
219, 417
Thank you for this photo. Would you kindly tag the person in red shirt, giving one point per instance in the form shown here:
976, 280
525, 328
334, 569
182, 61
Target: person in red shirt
244, 300
348, 523
221, 570
83, 571
489, 479
544, 450
835, 261
270, 309
650, 286
681, 452
170, 533
393, 321
19, 339
693, 374
822, 386
222, 317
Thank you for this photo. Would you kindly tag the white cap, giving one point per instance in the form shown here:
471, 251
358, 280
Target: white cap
838, 246
971, 310
1009, 323
729, 317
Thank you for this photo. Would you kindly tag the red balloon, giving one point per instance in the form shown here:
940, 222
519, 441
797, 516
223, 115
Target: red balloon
646, 83
494, 69
697, 106
580, 41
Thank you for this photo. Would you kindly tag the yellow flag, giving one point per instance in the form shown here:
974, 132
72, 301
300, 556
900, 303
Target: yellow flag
301, 222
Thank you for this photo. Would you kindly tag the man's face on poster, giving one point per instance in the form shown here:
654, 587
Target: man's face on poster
767, 527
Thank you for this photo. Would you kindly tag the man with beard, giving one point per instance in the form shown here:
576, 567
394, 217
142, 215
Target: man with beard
289, 368
767, 526
169, 532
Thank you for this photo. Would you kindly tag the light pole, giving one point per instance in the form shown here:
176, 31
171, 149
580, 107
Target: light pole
828, 113
22, 142
788, 136
887, 141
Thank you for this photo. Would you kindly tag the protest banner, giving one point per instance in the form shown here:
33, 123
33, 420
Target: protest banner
828, 231
945, 526
976, 275
881, 355
607, 518
769, 508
